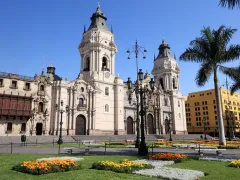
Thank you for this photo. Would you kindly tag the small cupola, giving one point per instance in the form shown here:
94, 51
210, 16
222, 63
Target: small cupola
51, 69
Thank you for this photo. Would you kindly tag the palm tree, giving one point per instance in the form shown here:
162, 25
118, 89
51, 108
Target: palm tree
230, 3
234, 74
211, 51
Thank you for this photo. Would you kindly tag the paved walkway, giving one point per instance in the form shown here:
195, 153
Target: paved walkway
17, 149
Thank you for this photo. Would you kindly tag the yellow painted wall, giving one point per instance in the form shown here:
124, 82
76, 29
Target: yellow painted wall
203, 104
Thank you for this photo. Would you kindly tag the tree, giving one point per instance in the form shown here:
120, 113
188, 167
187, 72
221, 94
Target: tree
234, 74
211, 50
230, 3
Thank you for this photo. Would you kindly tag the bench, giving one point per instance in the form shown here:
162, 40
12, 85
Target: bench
218, 151
87, 141
69, 149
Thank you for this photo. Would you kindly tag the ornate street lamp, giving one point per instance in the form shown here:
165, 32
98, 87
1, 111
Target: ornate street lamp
60, 141
204, 128
136, 49
143, 91
169, 123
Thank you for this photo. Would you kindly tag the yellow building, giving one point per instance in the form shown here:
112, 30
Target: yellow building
202, 105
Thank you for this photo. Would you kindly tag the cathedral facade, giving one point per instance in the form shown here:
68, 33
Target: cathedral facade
96, 103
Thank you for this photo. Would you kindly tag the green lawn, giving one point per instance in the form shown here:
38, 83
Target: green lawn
7, 161
216, 170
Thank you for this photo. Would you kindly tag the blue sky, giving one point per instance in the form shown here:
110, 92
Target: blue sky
52, 29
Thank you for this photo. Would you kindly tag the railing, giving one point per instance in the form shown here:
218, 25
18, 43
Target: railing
41, 93
28, 78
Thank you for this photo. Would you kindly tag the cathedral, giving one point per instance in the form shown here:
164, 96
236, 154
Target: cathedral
96, 103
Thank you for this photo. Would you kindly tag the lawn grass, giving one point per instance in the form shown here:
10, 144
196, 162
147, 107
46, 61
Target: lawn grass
216, 170
7, 161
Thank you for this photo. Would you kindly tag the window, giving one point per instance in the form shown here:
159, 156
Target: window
214, 102
203, 112
206, 108
27, 86
178, 103
179, 115
174, 83
104, 64
161, 83
40, 107
1, 82
23, 127
205, 102
82, 89
195, 109
87, 64
106, 91
81, 101
106, 108
215, 112
14, 84
215, 107
235, 108
9, 127
198, 108
206, 112
42, 88
203, 108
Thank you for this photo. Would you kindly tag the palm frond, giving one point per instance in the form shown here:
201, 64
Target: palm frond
204, 73
230, 3
193, 55
231, 53
235, 87
234, 74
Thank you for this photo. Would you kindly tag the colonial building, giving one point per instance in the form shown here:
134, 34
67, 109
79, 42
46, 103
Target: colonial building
202, 105
97, 102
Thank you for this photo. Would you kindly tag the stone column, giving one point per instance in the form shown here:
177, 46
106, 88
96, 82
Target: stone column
73, 102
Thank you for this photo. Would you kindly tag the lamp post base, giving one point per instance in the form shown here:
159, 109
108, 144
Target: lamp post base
137, 144
142, 150
60, 141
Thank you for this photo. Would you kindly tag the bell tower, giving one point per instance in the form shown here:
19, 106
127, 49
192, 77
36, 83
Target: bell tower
166, 70
97, 48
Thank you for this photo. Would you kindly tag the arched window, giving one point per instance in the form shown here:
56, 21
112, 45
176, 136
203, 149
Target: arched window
40, 107
161, 83
87, 64
174, 83
104, 64
81, 101
23, 127
106, 108
9, 127
42, 88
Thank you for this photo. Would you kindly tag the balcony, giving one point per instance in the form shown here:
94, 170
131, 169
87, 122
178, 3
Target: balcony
81, 107
13, 112
41, 93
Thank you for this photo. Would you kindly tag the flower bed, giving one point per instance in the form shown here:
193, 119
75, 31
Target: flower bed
123, 167
38, 167
168, 157
61, 158
160, 171
235, 163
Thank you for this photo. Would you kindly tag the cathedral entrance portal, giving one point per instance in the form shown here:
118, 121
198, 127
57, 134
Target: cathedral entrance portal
39, 127
80, 125
150, 124
129, 125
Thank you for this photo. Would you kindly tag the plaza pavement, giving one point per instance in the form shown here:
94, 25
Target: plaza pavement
18, 149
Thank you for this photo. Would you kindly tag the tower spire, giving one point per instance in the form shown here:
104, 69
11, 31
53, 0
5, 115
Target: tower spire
111, 29
154, 57
175, 56
42, 65
84, 29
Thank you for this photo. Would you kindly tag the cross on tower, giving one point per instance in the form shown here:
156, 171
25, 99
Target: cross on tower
98, 4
